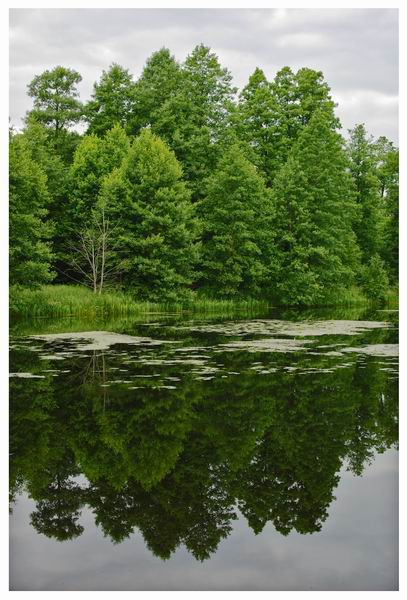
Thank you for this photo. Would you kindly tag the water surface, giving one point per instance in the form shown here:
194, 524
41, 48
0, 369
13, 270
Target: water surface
184, 452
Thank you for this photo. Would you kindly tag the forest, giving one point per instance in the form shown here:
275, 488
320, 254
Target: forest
176, 186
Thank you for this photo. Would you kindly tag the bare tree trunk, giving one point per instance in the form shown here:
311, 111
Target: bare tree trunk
104, 235
94, 269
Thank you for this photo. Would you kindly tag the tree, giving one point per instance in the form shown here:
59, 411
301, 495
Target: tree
194, 120
29, 235
314, 206
93, 252
86, 233
159, 81
57, 174
158, 228
56, 105
387, 171
236, 237
112, 101
255, 121
296, 97
375, 281
369, 225
95, 157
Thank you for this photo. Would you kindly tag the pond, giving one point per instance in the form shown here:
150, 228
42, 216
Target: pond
190, 452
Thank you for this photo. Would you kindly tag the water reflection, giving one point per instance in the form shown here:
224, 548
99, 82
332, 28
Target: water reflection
157, 443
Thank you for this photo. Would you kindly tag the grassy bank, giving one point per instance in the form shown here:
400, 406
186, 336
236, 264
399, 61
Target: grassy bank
70, 300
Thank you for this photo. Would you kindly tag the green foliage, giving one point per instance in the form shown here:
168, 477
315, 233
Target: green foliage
194, 120
72, 300
112, 102
236, 219
158, 231
279, 138
158, 83
255, 121
387, 157
314, 211
95, 157
179, 464
30, 250
296, 97
375, 281
55, 98
369, 224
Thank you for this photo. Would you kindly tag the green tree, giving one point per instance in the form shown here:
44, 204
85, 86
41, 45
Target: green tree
387, 157
255, 121
158, 227
56, 105
369, 224
194, 120
87, 235
112, 102
95, 157
314, 207
375, 281
57, 172
236, 217
296, 97
30, 252
158, 83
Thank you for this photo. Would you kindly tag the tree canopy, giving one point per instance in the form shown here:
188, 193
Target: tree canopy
203, 191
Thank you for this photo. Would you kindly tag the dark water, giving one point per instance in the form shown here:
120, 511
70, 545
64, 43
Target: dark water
247, 453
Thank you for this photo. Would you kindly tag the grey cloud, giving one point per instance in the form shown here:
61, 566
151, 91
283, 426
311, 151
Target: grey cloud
357, 49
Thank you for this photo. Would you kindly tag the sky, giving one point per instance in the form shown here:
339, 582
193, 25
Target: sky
356, 49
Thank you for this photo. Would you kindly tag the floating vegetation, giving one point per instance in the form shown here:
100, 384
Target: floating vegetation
99, 340
291, 328
141, 359
266, 345
27, 376
376, 350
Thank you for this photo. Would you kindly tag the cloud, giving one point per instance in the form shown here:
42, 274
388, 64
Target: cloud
357, 49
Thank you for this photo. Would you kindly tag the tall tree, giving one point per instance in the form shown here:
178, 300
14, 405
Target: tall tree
255, 121
158, 83
195, 119
112, 100
314, 210
387, 171
158, 228
236, 229
95, 157
30, 250
370, 222
297, 96
56, 170
391, 251
56, 104
82, 230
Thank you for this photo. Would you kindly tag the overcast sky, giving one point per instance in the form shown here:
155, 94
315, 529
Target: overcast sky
357, 49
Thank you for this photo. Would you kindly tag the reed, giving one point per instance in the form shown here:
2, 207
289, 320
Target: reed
72, 300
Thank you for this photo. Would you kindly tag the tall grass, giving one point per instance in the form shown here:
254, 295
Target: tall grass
354, 296
392, 298
71, 300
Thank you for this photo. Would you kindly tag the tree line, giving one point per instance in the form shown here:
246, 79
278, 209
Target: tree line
181, 185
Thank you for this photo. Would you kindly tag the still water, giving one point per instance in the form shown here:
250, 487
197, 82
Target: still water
244, 452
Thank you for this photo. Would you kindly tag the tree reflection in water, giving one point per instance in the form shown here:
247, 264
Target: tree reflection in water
178, 464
